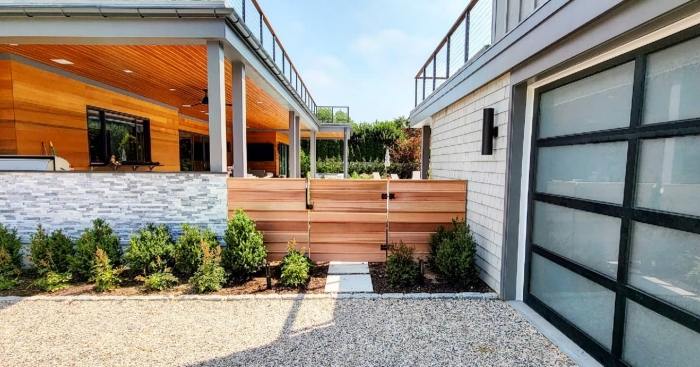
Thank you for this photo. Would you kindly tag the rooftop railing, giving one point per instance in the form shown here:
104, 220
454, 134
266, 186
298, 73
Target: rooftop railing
468, 37
271, 49
333, 114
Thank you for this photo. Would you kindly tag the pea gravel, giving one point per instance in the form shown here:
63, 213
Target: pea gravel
271, 332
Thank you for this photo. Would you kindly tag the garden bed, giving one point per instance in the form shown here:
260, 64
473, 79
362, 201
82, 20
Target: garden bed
430, 284
130, 287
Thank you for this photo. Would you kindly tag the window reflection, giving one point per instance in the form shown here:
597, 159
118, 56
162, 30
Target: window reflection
669, 175
666, 263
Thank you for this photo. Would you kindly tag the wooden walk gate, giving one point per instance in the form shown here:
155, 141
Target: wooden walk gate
348, 219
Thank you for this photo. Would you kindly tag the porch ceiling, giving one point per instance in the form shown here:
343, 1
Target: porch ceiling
155, 70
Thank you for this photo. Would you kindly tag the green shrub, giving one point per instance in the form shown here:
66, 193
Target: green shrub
295, 267
50, 251
436, 240
9, 273
455, 260
100, 236
210, 276
188, 250
105, 276
51, 255
51, 281
10, 242
244, 253
159, 281
151, 250
401, 268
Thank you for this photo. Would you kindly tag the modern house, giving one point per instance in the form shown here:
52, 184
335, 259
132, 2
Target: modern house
168, 85
577, 125
131, 94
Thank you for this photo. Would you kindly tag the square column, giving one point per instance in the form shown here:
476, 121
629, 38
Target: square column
217, 106
345, 153
240, 147
425, 153
297, 145
312, 146
293, 155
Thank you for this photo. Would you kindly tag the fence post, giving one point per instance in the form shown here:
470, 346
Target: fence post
447, 72
434, 70
466, 38
261, 30
415, 90
424, 69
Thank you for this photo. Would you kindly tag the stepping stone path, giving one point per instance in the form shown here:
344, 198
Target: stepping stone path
348, 277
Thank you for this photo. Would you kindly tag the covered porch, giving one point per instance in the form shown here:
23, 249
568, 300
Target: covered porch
144, 87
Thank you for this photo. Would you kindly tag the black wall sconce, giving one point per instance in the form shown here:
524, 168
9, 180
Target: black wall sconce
488, 132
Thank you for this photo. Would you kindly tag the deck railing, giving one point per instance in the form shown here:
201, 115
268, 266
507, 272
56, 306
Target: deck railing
271, 48
467, 38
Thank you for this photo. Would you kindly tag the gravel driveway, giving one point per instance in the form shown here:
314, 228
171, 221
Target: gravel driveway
311, 332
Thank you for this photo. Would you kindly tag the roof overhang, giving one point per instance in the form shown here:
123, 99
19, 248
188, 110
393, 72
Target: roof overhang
149, 22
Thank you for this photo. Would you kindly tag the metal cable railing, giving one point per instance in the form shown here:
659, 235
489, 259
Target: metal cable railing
270, 46
469, 36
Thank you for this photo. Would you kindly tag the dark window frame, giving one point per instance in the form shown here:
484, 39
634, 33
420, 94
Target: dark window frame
106, 154
627, 212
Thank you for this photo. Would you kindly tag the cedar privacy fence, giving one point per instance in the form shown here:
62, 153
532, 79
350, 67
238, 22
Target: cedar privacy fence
347, 219
468, 37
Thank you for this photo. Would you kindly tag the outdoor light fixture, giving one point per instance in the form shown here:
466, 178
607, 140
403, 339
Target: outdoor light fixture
128, 71
62, 61
488, 132
172, 89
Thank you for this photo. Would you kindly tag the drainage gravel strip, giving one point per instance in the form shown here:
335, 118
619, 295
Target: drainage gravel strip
277, 331
466, 295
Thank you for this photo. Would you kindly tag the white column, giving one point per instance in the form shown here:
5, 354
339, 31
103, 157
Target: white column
345, 153
217, 106
312, 153
297, 146
240, 148
293, 155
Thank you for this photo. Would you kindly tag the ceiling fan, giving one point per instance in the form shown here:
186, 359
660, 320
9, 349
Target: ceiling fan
205, 100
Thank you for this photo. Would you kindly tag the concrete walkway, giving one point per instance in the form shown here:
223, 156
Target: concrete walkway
348, 277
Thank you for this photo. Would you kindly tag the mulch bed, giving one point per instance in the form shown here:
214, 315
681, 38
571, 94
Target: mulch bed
430, 284
130, 287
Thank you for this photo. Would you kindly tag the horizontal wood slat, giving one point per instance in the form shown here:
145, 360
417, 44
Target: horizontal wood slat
348, 220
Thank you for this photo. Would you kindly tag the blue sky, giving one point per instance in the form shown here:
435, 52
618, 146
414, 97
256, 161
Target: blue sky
362, 53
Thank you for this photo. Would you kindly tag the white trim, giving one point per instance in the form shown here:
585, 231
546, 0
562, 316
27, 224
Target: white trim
662, 33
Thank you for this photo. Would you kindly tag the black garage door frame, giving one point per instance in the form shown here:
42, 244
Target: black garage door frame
626, 212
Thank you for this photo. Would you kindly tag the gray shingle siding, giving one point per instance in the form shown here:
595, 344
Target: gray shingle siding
455, 153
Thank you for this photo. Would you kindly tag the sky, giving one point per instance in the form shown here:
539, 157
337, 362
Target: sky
362, 53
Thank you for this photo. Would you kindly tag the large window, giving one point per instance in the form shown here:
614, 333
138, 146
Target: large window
118, 135
614, 219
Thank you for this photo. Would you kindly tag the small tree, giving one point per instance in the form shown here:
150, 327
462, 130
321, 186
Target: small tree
210, 276
105, 276
100, 236
455, 260
10, 242
401, 268
51, 254
244, 253
9, 273
295, 266
188, 250
151, 249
